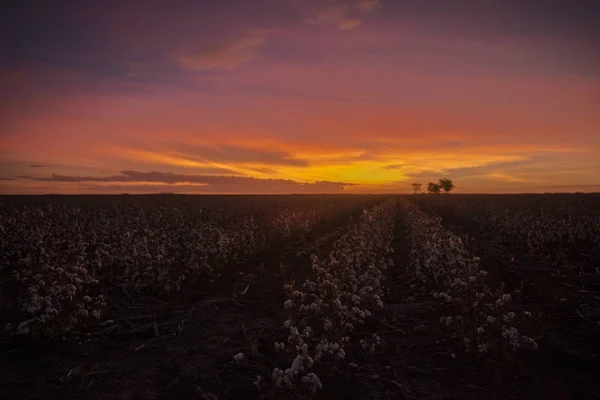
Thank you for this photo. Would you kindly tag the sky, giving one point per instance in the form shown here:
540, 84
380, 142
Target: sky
299, 96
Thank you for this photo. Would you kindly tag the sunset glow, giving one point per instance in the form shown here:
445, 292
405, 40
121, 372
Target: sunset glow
299, 96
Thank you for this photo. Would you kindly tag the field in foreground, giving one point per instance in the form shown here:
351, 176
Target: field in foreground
349, 297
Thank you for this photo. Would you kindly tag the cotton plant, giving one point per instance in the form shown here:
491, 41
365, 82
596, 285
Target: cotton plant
56, 259
346, 290
477, 313
56, 298
552, 232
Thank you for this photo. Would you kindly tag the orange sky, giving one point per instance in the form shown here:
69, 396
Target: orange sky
299, 96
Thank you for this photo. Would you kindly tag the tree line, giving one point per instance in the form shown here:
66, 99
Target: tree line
444, 184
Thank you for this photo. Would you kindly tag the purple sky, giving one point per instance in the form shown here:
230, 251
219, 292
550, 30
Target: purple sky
280, 96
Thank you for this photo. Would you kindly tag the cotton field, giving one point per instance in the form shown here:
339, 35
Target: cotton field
349, 297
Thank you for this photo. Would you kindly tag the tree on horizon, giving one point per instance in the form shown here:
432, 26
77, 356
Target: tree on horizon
446, 185
416, 188
433, 188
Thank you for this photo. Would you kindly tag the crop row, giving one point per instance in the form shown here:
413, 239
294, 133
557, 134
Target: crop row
58, 262
483, 317
558, 233
325, 310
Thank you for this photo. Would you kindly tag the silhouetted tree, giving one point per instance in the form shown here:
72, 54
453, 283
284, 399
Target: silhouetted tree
416, 188
433, 188
446, 184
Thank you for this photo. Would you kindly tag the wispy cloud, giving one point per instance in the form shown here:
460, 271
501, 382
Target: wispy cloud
342, 13
349, 24
368, 5
506, 177
232, 154
204, 183
396, 166
226, 54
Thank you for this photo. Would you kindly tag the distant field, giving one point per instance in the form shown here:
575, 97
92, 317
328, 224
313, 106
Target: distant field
346, 296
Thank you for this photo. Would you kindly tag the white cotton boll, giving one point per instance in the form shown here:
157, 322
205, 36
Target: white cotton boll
527, 313
280, 346
506, 297
307, 332
308, 361
337, 303
276, 373
490, 319
297, 365
312, 381
287, 304
287, 323
480, 330
239, 357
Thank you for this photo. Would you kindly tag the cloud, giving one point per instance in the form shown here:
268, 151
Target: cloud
342, 13
368, 5
6, 179
156, 181
238, 155
269, 188
36, 166
396, 166
227, 54
328, 14
501, 176
348, 24
169, 178
263, 170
